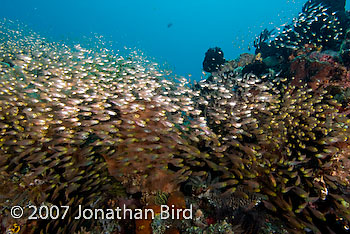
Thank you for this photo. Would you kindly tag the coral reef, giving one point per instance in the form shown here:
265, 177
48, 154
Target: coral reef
47, 158
265, 138
281, 143
319, 69
317, 24
75, 121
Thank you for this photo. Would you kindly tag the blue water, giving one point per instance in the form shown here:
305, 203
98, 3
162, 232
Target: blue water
176, 33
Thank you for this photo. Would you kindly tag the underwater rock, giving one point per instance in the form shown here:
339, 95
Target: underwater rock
272, 61
258, 68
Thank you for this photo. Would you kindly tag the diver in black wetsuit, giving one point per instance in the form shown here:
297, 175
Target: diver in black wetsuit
214, 58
